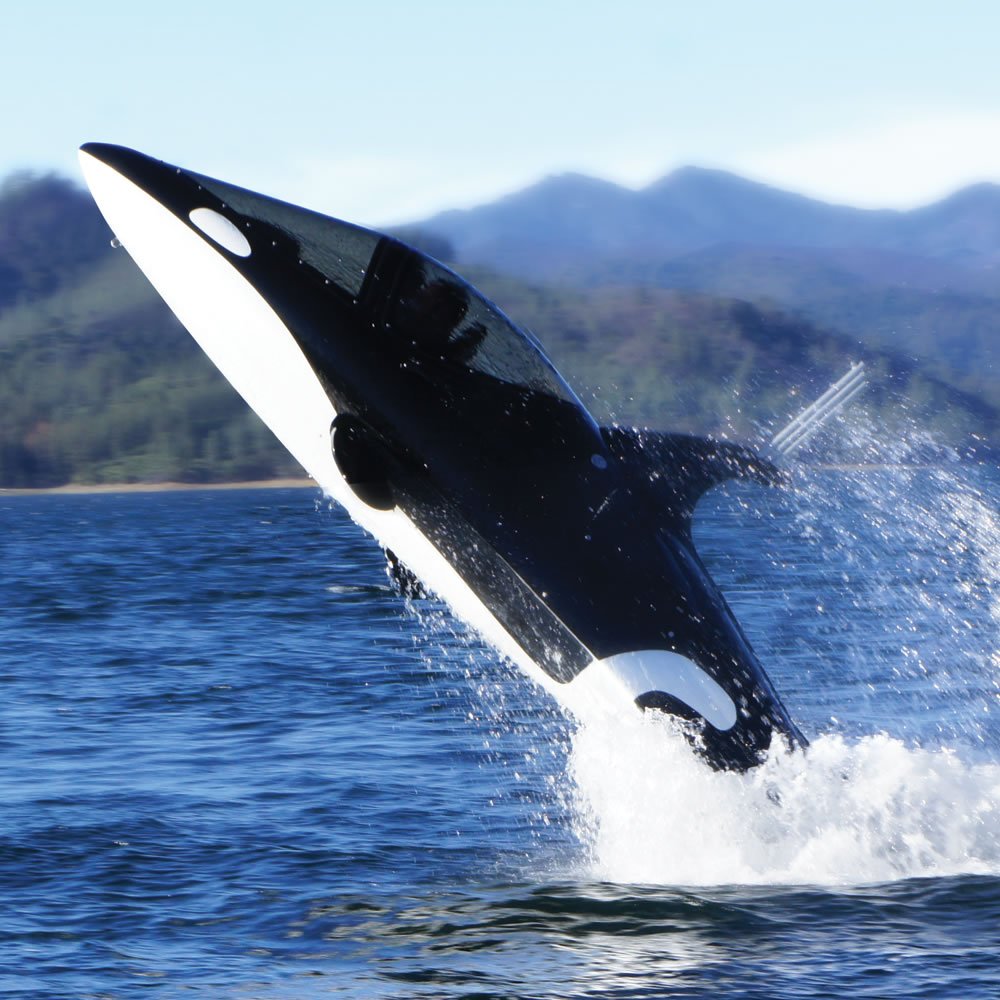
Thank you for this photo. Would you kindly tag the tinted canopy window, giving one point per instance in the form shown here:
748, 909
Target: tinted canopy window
445, 319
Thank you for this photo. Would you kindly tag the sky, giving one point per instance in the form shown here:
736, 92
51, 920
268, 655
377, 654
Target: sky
387, 112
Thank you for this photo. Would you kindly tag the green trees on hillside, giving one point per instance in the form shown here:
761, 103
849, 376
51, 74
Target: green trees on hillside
99, 383
130, 400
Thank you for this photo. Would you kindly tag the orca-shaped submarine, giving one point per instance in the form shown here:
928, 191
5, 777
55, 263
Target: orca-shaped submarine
446, 432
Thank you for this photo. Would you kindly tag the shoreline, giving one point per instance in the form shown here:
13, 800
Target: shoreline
303, 482
85, 489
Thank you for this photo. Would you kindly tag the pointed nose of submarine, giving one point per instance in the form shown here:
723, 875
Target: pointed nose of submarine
126, 161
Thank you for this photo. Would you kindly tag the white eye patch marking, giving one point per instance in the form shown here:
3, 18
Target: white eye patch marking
220, 230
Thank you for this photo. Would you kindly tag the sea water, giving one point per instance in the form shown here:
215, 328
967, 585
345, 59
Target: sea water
234, 764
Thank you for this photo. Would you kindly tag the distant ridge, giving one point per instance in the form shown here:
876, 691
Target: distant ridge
925, 282
693, 208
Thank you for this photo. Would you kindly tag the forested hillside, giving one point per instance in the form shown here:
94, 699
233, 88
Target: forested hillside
99, 383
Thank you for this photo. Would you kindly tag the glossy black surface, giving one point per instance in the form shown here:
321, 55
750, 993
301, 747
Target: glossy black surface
576, 538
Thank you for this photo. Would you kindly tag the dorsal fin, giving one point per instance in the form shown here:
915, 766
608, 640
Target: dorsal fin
683, 467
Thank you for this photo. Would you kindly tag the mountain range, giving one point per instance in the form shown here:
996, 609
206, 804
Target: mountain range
652, 318
693, 209
925, 282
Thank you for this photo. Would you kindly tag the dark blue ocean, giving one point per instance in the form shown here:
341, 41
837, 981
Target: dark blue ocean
234, 764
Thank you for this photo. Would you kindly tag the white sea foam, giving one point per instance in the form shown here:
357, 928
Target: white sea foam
844, 812
848, 811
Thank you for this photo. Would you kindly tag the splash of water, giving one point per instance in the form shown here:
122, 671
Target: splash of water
909, 557
869, 811
914, 553
891, 621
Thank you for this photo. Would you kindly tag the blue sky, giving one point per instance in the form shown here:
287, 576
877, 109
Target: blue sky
386, 112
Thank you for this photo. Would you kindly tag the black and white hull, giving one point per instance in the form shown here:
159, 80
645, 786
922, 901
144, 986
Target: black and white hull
446, 433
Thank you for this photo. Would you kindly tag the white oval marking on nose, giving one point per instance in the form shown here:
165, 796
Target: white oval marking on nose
220, 230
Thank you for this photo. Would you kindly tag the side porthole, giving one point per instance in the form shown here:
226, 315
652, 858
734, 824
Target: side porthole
220, 230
